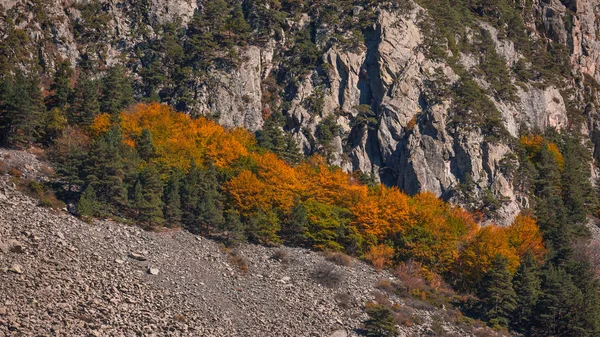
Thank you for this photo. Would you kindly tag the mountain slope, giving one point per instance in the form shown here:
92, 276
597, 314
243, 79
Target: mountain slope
62, 276
427, 97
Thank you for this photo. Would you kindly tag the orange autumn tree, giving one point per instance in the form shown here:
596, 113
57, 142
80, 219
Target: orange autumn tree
476, 258
436, 232
524, 235
177, 138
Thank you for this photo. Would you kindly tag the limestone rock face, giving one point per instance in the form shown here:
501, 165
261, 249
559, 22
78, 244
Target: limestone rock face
416, 143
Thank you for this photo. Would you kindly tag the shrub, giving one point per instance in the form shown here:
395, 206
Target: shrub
15, 172
340, 259
380, 256
326, 275
280, 256
238, 261
381, 321
4, 168
343, 300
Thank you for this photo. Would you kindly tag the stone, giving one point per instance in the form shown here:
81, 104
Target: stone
137, 256
153, 271
339, 333
16, 268
16, 247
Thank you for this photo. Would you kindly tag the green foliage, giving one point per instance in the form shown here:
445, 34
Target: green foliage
116, 93
327, 130
104, 171
296, 224
326, 225
88, 203
60, 87
85, 105
497, 299
233, 227
147, 197
263, 227
380, 322
172, 199
21, 110
272, 138
527, 286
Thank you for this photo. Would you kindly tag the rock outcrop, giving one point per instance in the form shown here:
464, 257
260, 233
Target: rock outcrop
414, 144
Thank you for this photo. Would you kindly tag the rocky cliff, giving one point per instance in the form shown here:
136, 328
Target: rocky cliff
401, 109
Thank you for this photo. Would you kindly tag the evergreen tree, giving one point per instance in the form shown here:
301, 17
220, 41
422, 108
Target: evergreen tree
263, 227
209, 212
23, 110
54, 125
527, 286
172, 210
137, 199
69, 155
234, 227
117, 93
577, 190
85, 106
60, 87
105, 172
497, 299
556, 310
201, 199
550, 209
296, 224
152, 192
88, 203
190, 197
381, 322
145, 146
272, 138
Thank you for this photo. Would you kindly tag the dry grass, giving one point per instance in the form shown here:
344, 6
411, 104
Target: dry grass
15, 172
37, 190
344, 300
237, 260
326, 275
280, 256
340, 259
4, 168
39, 153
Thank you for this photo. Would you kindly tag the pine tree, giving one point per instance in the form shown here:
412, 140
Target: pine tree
145, 146
381, 322
555, 312
234, 227
263, 227
60, 87
527, 286
272, 138
296, 224
85, 106
190, 197
152, 192
550, 209
23, 110
172, 209
54, 125
497, 299
104, 171
117, 93
88, 203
